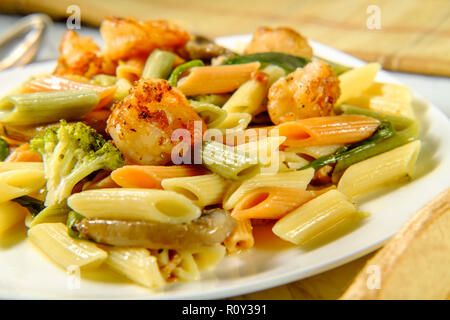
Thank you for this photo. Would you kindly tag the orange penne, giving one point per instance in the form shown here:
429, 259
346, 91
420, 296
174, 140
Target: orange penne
319, 131
216, 79
241, 238
55, 83
135, 176
270, 203
24, 154
130, 69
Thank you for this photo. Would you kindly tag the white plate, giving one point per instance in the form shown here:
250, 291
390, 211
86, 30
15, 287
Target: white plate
26, 273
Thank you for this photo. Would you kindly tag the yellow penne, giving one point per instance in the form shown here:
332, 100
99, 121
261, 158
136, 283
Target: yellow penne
11, 214
241, 238
235, 122
216, 79
203, 190
8, 166
137, 264
289, 179
207, 258
53, 240
315, 151
134, 204
265, 149
383, 105
319, 217
379, 171
355, 81
17, 183
248, 98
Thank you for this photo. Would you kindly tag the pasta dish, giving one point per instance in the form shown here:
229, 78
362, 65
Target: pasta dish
159, 154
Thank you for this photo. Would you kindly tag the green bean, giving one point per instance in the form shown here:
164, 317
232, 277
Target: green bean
397, 122
372, 149
45, 107
33, 205
158, 65
286, 61
383, 132
337, 67
4, 149
173, 79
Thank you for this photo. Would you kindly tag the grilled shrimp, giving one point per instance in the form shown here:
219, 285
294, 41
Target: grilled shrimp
281, 39
305, 93
81, 56
142, 124
127, 38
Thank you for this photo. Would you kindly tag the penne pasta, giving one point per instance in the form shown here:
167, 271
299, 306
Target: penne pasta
53, 240
355, 81
330, 130
11, 214
216, 79
235, 122
207, 258
318, 218
270, 203
229, 162
56, 83
23, 154
248, 98
290, 179
17, 183
211, 114
380, 170
383, 104
203, 190
187, 270
130, 70
241, 238
9, 166
47, 107
315, 151
158, 65
147, 204
137, 264
134, 176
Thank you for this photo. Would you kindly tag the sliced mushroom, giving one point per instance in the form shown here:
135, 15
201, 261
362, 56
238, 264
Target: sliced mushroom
203, 48
213, 227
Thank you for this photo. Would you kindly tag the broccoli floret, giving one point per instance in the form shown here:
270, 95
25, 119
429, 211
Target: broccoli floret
71, 152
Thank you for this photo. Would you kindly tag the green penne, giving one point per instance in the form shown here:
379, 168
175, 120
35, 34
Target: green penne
215, 99
211, 114
45, 107
228, 162
158, 65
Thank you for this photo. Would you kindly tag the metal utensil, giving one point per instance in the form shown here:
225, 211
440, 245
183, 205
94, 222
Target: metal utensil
20, 43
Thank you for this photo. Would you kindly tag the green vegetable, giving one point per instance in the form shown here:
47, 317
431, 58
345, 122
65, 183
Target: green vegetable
54, 213
176, 73
33, 205
374, 148
228, 161
337, 67
4, 149
70, 153
46, 107
286, 61
397, 122
158, 65
216, 99
72, 219
358, 149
